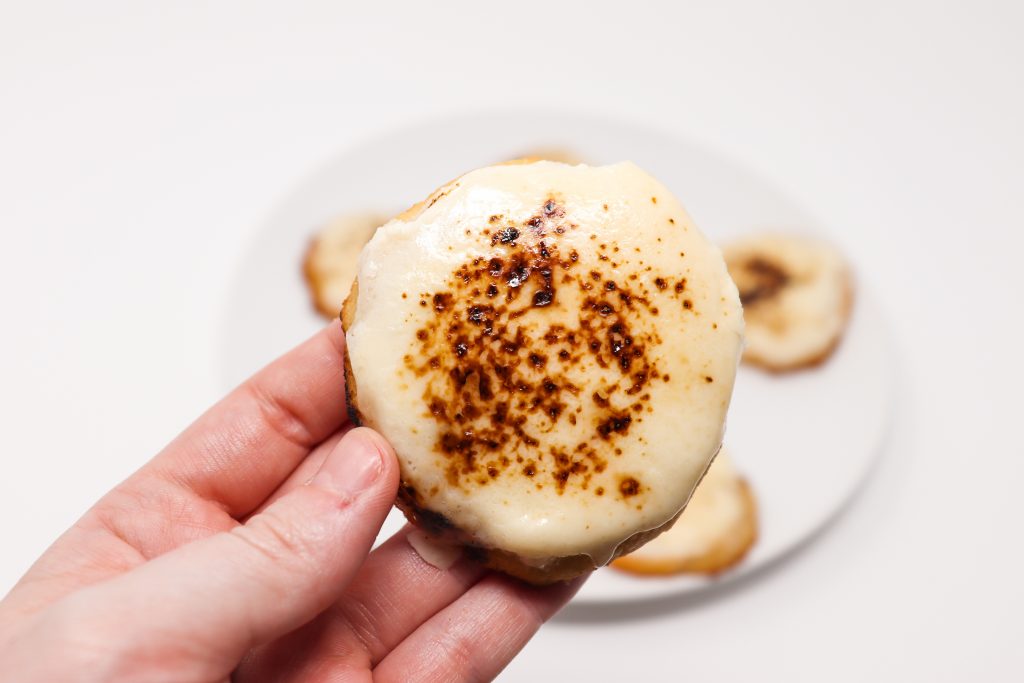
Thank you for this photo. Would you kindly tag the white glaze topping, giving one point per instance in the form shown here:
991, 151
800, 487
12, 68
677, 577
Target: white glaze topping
551, 349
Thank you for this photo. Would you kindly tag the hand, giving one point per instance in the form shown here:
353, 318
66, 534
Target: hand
242, 551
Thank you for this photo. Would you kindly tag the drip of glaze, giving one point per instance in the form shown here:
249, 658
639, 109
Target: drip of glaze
433, 551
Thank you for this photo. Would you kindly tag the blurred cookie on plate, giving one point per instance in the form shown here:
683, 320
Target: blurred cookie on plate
714, 532
797, 294
562, 155
333, 256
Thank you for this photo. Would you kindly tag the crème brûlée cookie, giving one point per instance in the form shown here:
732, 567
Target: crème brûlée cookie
715, 531
329, 266
797, 293
551, 350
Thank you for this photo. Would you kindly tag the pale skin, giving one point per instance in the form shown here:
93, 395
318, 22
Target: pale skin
242, 552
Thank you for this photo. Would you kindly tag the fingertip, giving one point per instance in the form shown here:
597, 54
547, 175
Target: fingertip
362, 462
336, 333
370, 438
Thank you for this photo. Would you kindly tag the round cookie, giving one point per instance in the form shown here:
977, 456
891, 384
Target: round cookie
797, 294
333, 255
563, 155
551, 350
715, 531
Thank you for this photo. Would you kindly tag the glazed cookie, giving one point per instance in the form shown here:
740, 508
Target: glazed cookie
551, 350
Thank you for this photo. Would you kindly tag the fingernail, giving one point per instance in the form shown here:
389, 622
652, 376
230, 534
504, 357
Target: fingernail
353, 465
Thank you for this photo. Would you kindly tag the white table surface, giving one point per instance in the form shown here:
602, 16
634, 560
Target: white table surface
141, 147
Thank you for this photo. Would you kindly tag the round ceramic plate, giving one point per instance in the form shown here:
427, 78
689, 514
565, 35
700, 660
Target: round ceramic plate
804, 440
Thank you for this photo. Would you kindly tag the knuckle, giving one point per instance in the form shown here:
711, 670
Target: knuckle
524, 613
276, 539
458, 648
359, 617
283, 418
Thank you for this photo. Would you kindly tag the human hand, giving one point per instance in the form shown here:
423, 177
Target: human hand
242, 552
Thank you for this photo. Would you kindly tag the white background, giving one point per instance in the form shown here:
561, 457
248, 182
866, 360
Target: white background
140, 148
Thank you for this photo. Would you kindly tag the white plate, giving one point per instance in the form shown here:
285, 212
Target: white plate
805, 440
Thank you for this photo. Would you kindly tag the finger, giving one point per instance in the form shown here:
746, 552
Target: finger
394, 592
228, 593
127, 527
474, 638
217, 471
309, 466
241, 449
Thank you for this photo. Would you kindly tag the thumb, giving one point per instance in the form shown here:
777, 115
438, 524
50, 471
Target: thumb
218, 597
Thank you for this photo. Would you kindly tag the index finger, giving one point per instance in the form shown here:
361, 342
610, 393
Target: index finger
476, 637
239, 451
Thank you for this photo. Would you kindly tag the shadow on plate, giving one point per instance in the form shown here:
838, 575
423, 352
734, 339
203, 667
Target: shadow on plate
597, 612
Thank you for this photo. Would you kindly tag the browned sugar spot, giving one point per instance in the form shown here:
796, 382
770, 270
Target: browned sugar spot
543, 297
441, 195
629, 487
507, 235
614, 424
442, 301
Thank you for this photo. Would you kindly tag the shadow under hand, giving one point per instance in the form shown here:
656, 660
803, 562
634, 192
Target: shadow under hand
584, 613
